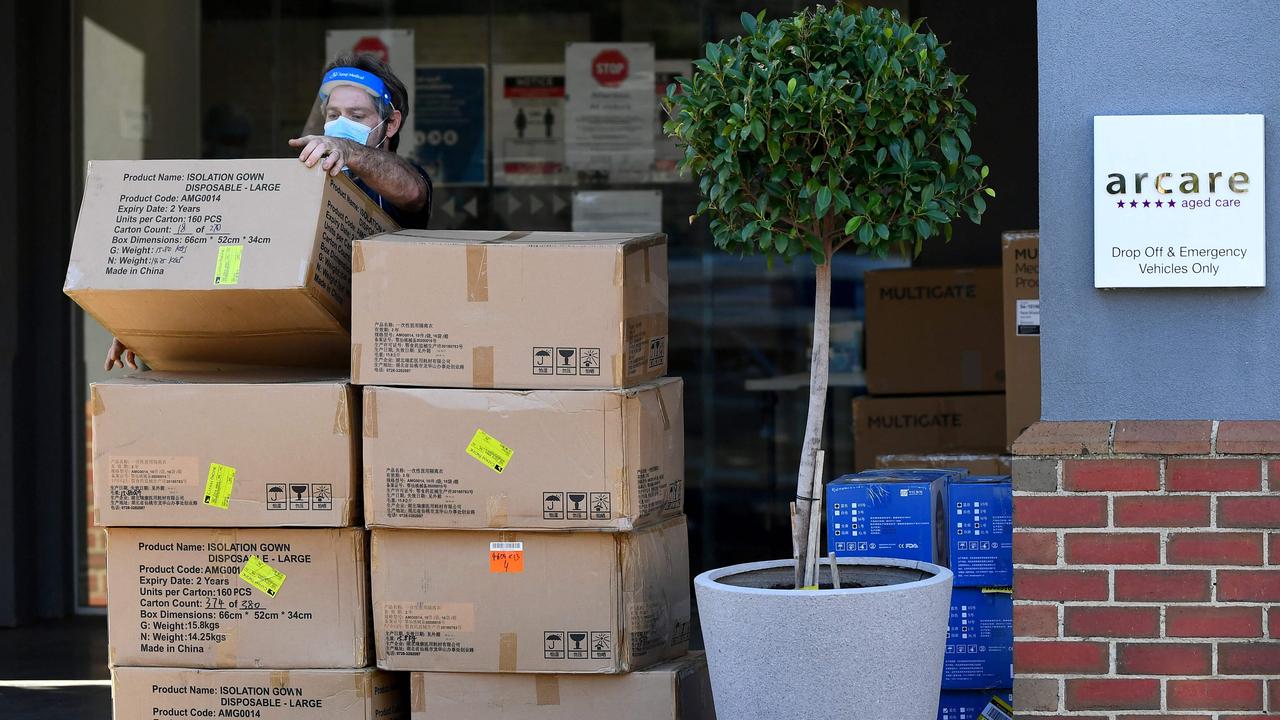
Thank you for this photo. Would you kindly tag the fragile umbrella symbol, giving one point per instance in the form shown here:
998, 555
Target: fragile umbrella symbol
541, 355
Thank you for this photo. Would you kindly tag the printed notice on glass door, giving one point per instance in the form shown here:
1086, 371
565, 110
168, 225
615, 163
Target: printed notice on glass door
1178, 201
610, 95
528, 124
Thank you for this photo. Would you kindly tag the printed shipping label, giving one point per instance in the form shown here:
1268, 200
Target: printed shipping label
218, 486
402, 347
227, 271
485, 448
416, 492
506, 557
262, 576
141, 482
1028, 317
413, 629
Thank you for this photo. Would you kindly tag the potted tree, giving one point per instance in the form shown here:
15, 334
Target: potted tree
823, 132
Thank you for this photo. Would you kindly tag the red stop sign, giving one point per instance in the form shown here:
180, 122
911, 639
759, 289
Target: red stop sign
609, 68
372, 45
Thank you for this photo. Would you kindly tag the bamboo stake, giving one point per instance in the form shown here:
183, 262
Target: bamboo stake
795, 540
835, 570
815, 522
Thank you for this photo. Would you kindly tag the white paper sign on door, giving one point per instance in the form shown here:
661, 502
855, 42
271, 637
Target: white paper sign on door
628, 211
1178, 201
609, 107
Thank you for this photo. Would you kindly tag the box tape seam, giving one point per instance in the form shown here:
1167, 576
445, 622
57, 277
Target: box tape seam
547, 689
507, 643
482, 366
477, 273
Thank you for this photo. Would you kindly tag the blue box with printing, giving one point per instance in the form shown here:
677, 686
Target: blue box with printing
889, 513
967, 704
979, 640
980, 530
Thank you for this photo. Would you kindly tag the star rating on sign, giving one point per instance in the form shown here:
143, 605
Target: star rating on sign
1146, 203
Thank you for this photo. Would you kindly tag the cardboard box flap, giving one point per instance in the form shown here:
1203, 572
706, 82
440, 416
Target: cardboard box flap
220, 263
181, 204
160, 579
675, 690
144, 693
536, 601
517, 237
565, 314
238, 376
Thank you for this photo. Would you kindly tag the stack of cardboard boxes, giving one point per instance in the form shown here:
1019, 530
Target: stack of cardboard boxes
953, 364
518, 449
950, 518
237, 584
935, 369
523, 474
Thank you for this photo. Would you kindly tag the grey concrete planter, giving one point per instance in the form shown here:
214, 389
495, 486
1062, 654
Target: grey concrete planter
871, 652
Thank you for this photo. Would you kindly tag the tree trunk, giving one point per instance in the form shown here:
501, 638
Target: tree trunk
818, 376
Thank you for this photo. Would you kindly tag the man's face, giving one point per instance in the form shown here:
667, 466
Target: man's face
354, 104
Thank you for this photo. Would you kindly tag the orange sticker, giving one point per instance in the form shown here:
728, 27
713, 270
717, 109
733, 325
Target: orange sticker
506, 557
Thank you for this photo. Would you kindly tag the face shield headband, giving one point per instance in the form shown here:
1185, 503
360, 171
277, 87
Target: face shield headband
355, 77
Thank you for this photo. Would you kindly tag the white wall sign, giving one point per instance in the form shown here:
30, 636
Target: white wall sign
609, 104
1178, 201
631, 211
394, 47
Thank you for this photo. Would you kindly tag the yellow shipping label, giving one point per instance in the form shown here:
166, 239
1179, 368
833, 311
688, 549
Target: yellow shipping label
262, 576
217, 488
485, 448
228, 268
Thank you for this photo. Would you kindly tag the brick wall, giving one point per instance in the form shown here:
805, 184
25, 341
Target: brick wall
1147, 570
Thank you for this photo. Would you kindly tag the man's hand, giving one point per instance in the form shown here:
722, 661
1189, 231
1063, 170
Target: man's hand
118, 356
333, 153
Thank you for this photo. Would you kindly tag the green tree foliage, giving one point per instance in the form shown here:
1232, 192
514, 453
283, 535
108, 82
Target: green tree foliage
828, 128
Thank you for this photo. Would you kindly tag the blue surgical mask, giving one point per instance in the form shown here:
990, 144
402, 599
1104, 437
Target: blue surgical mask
344, 127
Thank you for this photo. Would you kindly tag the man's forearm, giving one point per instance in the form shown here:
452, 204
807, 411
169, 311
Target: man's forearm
391, 176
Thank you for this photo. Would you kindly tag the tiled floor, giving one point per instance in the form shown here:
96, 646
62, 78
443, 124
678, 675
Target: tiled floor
36, 663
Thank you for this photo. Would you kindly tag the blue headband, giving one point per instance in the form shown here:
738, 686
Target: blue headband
366, 81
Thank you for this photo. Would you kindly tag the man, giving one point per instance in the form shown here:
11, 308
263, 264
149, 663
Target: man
364, 106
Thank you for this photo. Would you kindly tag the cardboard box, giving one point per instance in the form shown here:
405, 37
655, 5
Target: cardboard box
1021, 329
979, 640
986, 464
888, 514
213, 263
968, 704
524, 310
142, 693
980, 530
561, 459
934, 330
926, 424
675, 690
179, 598
216, 450
539, 601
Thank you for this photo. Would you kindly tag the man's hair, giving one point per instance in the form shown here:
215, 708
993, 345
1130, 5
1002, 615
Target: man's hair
399, 96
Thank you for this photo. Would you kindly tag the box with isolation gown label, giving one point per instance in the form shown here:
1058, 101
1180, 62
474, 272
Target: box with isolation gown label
889, 513
980, 530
